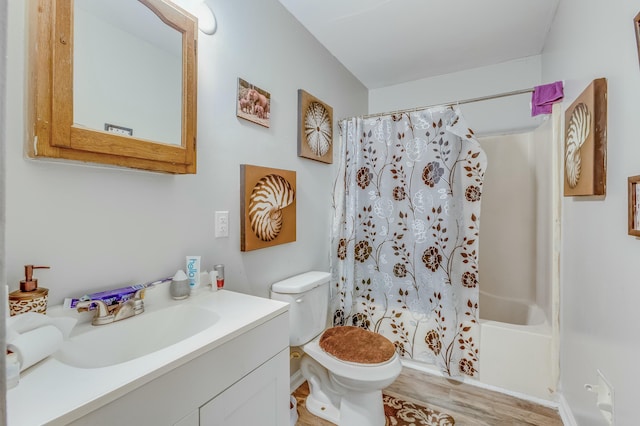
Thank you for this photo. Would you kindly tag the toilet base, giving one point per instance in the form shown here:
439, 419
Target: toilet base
361, 409
322, 409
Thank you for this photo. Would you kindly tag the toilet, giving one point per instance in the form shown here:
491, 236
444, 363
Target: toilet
346, 367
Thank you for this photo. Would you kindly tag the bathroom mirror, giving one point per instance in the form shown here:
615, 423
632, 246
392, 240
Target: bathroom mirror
114, 82
114, 55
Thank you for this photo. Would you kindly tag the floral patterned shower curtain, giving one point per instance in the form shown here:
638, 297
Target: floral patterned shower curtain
405, 235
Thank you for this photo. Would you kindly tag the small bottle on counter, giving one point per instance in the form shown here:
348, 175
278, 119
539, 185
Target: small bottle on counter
220, 276
213, 278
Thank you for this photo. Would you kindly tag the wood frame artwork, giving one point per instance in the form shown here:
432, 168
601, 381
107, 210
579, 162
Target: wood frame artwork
315, 128
636, 26
253, 103
634, 205
585, 150
267, 207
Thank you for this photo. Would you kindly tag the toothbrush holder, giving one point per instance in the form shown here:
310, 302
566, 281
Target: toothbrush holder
180, 289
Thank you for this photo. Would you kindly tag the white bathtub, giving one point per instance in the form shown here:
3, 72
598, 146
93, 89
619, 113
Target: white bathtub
515, 346
515, 349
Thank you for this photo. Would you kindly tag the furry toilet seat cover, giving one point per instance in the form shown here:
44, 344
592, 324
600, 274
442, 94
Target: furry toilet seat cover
355, 344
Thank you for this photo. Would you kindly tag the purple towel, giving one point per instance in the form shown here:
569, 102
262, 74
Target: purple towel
544, 96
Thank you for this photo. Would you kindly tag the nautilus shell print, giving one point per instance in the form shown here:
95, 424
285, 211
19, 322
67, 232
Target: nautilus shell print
269, 196
317, 128
578, 130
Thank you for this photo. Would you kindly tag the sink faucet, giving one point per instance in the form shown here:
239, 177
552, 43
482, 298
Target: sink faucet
107, 314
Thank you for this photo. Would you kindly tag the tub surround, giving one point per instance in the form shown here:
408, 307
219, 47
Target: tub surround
81, 391
510, 310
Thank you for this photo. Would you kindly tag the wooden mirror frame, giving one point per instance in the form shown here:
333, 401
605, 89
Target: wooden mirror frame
632, 201
636, 30
52, 131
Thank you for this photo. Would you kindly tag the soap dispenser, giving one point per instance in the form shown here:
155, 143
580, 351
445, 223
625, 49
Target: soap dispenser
30, 297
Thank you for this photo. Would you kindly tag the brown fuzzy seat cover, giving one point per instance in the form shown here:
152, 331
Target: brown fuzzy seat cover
355, 344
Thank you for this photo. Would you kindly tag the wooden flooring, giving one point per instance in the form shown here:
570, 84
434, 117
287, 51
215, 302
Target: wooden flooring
467, 404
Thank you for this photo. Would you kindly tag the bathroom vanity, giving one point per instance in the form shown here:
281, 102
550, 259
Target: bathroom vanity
232, 371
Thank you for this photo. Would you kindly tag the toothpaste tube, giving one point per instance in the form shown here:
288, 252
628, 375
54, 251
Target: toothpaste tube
112, 297
193, 271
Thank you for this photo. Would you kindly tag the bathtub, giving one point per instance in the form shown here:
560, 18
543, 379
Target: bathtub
516, 346
515, 350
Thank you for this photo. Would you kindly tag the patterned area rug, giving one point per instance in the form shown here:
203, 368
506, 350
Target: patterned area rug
403, 413
398, 412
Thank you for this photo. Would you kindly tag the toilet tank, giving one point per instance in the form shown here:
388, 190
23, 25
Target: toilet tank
308, 298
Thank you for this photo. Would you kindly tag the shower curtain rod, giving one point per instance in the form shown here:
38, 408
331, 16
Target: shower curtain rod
466, 101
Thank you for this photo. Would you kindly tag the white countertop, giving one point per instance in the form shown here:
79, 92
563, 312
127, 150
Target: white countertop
51, 392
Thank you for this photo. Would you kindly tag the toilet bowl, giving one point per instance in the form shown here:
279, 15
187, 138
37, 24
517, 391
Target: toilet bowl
344, 390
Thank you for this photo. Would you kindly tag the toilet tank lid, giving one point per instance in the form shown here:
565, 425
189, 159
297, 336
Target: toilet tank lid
301, 283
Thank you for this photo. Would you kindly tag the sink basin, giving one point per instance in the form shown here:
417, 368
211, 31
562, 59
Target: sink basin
121, 341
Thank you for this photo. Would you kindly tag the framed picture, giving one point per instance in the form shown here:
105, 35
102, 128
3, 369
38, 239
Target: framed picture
636, 25
585, 150
634, 205
253, 103
315, 128
267, 207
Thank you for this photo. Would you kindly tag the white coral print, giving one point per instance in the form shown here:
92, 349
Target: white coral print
317, 128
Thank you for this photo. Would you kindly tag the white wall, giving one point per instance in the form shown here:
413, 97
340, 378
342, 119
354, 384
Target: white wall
600, 286
485, 118
99, 228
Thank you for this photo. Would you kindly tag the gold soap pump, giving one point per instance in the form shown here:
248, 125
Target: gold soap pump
30, 297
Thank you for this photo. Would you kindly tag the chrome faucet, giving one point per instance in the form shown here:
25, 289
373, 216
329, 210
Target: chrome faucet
107, 314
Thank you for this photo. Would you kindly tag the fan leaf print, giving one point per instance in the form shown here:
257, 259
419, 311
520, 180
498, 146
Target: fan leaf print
317, 129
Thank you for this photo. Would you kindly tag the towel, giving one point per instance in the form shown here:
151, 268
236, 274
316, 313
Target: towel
33, 336
544, 97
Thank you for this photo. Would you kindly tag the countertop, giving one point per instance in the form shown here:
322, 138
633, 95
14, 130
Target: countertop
51, 392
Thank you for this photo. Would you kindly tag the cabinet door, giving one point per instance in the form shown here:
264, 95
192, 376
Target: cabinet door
260, 398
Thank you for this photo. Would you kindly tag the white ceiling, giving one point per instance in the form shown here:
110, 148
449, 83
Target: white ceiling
386, 42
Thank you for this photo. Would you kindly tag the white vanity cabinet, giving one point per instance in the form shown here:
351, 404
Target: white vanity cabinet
252, 400
244, 381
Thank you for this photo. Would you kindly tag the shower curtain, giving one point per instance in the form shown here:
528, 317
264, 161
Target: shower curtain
404, 240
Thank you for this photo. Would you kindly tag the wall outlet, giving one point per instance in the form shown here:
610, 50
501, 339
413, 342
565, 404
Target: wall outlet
604, 400
222, 224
